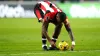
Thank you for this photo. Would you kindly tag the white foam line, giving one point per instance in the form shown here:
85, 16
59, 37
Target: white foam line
27, 53
47, 52
83, 51
20, 54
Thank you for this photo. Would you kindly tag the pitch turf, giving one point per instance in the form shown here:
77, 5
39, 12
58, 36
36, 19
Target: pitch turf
22, 37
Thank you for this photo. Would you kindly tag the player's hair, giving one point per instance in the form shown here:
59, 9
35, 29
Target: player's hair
62, 16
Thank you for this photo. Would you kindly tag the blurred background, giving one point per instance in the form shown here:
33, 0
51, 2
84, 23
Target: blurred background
73, 8
20, 31
50, 0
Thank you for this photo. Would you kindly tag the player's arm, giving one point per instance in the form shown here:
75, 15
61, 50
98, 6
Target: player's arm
67, 26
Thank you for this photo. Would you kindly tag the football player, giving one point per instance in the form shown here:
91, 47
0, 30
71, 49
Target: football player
46, 13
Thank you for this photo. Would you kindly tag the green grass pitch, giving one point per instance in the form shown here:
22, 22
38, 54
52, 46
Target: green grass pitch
22, 37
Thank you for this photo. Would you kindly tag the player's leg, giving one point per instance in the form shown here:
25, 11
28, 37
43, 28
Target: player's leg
38, 12
55, 36
44, 40
56, 33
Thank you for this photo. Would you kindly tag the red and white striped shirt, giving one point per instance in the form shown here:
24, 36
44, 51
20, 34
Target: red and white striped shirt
45, 5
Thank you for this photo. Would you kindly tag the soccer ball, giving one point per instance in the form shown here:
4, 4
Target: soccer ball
63, 45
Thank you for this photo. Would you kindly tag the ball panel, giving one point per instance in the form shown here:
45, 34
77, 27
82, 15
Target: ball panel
63, 45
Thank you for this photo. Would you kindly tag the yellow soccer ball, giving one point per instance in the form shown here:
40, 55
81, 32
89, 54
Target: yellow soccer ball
63, 45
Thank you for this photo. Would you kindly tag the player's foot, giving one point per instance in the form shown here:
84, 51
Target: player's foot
45, 48
53, 48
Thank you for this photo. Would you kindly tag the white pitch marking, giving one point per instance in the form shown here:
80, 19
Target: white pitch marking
48, 52
82, 51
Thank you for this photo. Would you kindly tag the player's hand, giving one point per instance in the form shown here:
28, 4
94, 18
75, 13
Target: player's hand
72, 47
40, 20
52, 43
